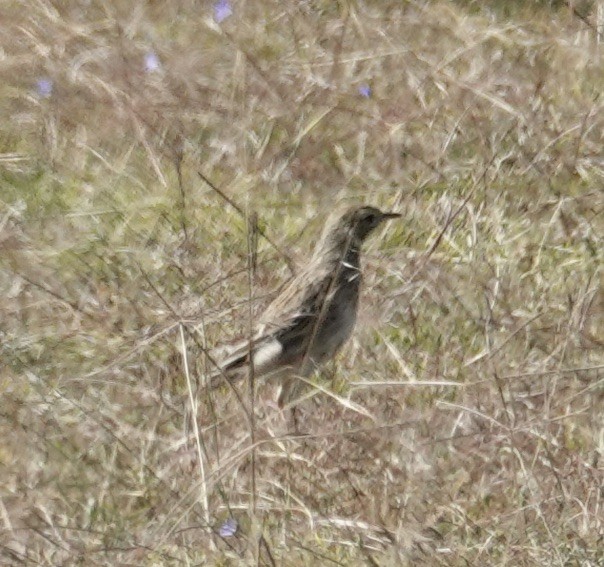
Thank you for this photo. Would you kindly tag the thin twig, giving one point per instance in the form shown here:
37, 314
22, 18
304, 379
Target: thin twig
200, 454
252, 242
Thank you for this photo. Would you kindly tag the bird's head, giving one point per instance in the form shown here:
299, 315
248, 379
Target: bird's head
351, 229
362, 221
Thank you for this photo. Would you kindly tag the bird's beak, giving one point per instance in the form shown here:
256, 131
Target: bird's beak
387, 216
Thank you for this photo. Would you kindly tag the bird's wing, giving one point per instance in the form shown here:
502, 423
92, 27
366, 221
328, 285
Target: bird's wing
301, 298
235, 356
284, 329
291, 319
273, 345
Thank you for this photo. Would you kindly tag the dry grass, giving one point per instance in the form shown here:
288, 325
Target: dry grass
478, 434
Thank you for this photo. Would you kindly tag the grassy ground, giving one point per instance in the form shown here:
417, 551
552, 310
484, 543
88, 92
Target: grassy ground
468, 427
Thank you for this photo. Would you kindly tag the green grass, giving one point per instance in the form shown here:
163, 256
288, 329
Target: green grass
466, 422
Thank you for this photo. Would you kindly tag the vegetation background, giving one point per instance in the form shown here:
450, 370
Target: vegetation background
463, 424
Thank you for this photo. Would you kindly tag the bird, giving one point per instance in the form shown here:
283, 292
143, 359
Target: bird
313, 315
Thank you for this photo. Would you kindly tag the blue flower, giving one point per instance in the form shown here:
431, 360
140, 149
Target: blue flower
365, 90
222, 10
44, 87
152, 63
228, 528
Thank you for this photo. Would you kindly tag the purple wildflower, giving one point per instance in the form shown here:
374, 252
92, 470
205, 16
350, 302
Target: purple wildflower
44, 87
365, 90
222, 10
152, 63
228, 528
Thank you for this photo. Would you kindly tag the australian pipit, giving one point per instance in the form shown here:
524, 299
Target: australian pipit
313, 316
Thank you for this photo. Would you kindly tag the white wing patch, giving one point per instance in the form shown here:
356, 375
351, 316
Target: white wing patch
267, 355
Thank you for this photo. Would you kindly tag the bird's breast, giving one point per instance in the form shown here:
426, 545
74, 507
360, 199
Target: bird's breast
338, 320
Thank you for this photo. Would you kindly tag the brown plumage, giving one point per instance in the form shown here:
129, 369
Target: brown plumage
314, 314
